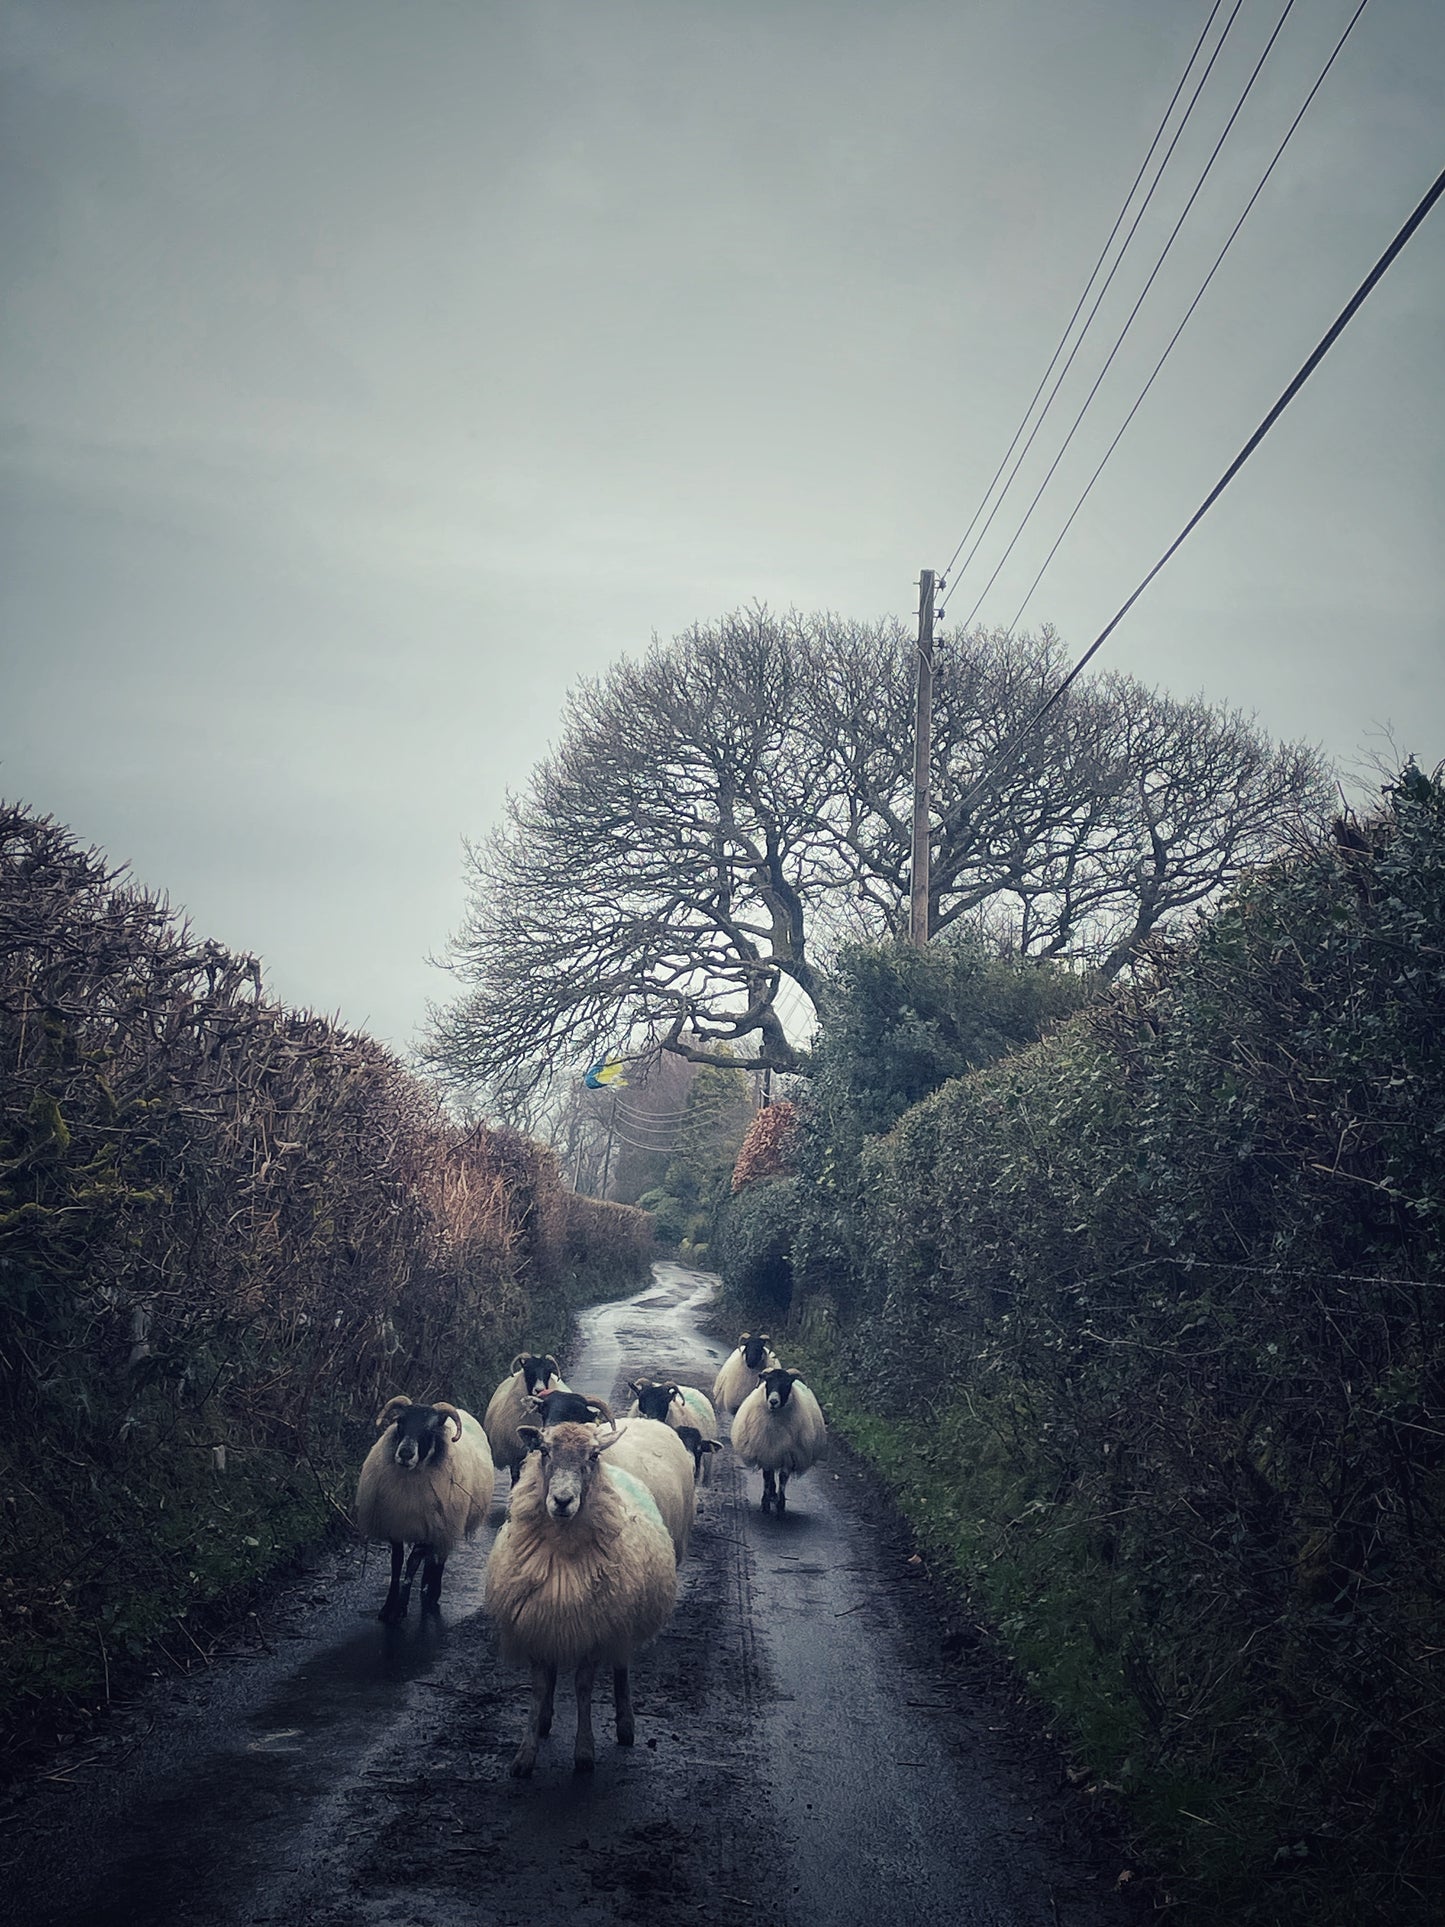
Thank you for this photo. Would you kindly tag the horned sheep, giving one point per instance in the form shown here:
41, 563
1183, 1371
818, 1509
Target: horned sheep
741, 1371
426, 1483
531, 1374
581, 1575
780, 1429
689, 1413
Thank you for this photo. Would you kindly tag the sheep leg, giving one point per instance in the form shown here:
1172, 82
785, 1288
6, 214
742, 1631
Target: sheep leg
769, 1489
418, 1553
584, 1755
394, 1607
544, 1678
431, 1580
622, 1700
544, 1718
782, 1492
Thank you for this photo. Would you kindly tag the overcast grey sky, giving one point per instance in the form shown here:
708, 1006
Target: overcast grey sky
375, 368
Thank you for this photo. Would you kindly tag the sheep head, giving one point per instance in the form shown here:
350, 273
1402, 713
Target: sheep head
537, 1372
568, 1455
557, 1407
777, 1387
655, 1398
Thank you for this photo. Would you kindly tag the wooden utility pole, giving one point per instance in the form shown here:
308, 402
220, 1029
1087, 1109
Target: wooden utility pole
922, 753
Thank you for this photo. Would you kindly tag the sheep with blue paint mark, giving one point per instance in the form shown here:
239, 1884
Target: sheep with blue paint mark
581, 1576
688, 1411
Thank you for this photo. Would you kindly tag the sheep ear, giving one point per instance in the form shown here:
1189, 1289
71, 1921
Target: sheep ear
634, 1385
530, 1436
389, 1411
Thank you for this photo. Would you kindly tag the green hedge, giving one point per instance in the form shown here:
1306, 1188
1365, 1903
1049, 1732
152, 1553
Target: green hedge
1179, 1275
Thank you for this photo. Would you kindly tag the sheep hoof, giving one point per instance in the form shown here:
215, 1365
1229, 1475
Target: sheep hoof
767, 1503
584, 1763
392, 1613
626, 1733
526, 1759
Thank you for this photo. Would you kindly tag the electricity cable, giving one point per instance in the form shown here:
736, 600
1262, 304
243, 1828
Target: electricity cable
1322, 348
1339, 45
1094, 272
1133, 312
1098, 300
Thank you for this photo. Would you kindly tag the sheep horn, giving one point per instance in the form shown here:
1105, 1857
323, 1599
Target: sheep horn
389, 1411
603, 1410
451, 1412
516, 1364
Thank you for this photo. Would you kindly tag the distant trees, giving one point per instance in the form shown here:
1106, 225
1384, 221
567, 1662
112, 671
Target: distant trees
719, 816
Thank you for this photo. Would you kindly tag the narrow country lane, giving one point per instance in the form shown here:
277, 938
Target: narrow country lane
804, 1751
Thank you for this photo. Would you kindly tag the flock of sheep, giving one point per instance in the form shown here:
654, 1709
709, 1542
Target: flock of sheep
583, 1573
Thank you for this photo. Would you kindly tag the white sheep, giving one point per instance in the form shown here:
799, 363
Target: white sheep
426, 1486
581, 1575
689, 1413
779, 1428
741, 1371
654, 1453
530, 1375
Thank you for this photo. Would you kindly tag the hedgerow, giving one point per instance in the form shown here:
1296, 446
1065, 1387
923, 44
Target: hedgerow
227, 1231
1179, 1273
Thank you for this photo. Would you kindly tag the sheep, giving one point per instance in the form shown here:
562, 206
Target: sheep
530, 1374
654, 1453
780, 1428
581, 1575
741, 1371
423, 1485
686, 1410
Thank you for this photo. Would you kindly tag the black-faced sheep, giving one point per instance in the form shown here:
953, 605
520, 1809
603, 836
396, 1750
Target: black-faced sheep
530, 1375
780, 1429
686, 1410
426, 1483
582, 1575
741, 1371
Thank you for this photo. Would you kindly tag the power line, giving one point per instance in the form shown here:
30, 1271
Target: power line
1133, 312
1229, 243
1326, 342
1118, 262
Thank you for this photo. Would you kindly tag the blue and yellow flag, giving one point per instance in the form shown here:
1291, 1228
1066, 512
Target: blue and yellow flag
606, 1071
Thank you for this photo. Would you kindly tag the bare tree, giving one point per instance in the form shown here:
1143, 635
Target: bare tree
719, 814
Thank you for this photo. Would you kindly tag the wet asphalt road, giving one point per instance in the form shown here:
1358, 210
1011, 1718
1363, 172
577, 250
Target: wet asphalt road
804, 1752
